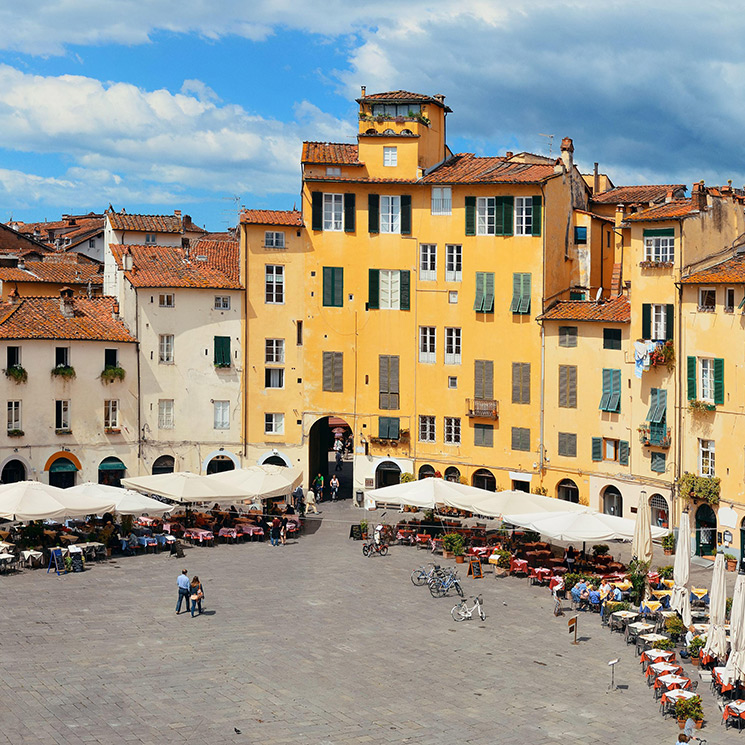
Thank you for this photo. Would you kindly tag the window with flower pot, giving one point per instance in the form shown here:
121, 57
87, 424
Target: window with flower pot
659, 245
111, 414
14, 416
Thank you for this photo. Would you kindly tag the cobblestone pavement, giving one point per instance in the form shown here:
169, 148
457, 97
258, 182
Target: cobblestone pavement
311, 643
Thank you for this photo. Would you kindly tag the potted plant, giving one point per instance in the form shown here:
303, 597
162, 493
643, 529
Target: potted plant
448, 545
731, 560
17, 373
666, 644
66, 372
15, 433
695, 647
599, 549
668, 544
110, 374
503, 563
728, 608
666, 572
454, 544
689, 708
675, 627
363, 528
705, 488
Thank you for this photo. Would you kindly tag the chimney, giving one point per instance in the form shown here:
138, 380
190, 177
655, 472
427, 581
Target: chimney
698, 196
127, 260
14, 297
364, 91
66, 303
21, 264
620, 213
595, 179
567, 150
115, 310
439, 97
177, 213
508, 154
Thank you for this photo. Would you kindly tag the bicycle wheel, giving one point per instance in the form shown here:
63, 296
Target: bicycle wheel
419, 577
482, 615
458, 587
383, 550
437, 590
365, 549
459, 612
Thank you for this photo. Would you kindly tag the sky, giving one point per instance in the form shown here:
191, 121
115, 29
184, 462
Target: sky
203, 106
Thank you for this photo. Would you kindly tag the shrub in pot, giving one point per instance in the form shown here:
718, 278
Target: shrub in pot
731, 560
599, 549
668, 543
689, 708
665, 572
695, 647
452, 544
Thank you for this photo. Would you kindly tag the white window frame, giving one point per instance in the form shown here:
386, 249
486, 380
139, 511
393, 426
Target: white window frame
14, 415
91, 243
659, 321
486, 215
706, 379
166, 349
451, 430
390, 213
453, 262
333, 212
274, 284
274, 351
274, 424
660, 249
453, 342
151, 239
452, 381
390, 156
428, 262
64, 420
729, 306
611, 449
111, 413
222, 302
523, 215
705, 294
706, 458
167, 300
442, 200
274, 239
165, 413
389, 289
427, 344
427, 428
276, 377
334, 171
221, 415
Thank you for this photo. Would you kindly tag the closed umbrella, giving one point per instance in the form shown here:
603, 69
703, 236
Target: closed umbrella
126, 501
183, 486
641, 543
736, 661
680, 598
32, 500
716, 638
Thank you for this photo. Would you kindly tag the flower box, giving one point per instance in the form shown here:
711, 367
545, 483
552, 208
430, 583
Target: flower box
63, 431
16, 433
112, 430
656, 264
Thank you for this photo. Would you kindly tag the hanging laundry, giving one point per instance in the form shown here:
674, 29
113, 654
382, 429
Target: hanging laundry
640, 352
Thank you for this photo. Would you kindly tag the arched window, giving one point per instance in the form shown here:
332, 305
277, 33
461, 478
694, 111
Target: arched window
568, 491
164, 464
387, 474
222, 463
13, 471
389, 132
62, 473
658, 511
483, 479
111, 471
452, 474
612, 502
426, 472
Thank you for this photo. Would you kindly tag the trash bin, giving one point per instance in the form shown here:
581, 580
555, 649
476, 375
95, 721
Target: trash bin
359, 498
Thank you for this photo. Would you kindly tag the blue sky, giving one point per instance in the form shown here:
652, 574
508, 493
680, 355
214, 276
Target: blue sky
133, 103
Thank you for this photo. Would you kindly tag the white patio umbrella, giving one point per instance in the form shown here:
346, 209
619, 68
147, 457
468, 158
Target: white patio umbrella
496, 504
716, 638
126, 501
641, 543
183, 486
578, 526
680, 599
426, 493
32, 500
264, 481
736, 662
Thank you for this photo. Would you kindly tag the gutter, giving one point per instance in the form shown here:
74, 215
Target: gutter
541, 433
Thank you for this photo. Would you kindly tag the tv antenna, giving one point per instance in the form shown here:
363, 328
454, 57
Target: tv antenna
234, 212
550, 139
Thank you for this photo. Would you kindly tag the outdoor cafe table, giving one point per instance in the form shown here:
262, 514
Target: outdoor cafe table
734, 709
700, 593
650, 606
405, 535
623, 585
197, 534
718, 673
640, 627
671, 696
650, 656
624, 615
663, 668
31, 557
652, 639
252, 530
659, 594
229, 533
518, 565
669, 583
90, 548
146, 522
671, 682
6, 560
480, 551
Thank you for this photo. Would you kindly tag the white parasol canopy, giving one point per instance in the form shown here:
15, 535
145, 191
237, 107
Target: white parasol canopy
264, 481
586, 525
641, 543
183, 487
32, 500
680, 598
126, 501
497, 504
736, 661
426, 493
716, 638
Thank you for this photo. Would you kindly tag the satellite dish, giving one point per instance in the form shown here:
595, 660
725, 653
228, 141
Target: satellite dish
598, 294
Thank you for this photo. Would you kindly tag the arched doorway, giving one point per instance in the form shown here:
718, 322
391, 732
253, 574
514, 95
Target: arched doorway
111, 471
163, 464
612, 501
330, 446
387, 474
222, 463
483, 479
426, 472
568, 491
274, 460
452, 474
62, 473
13, 471
658, 511
706, 531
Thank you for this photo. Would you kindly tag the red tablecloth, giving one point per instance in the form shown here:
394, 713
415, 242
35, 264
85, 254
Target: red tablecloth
663, 668
669, 697
651, 656
717, 674
541, 574
480, 551
734, 709
198, 534
671, 682
146, 521
554, 581
518, 565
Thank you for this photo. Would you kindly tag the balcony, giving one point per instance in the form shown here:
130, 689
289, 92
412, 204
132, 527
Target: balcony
482, 408
654, 436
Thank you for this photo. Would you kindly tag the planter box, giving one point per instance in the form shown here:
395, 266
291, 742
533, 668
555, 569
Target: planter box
447, 554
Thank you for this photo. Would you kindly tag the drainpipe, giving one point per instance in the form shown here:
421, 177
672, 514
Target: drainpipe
679, 396
244, 325
139, 378
542, 449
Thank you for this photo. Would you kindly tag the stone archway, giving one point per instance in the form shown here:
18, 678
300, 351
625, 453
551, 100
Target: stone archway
612, 501
567, 490
14, 470
484, 479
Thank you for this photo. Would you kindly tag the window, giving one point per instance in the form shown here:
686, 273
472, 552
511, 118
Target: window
706, 458
707, 379
165, 349
611, 338
165, 413
333, 371
388, 381
167, 300
299, 333
453, 297
611, 399
274, 377
568, 444
333, 171
453, 263
484, 301
657, 416
567, 336
333, 286
610, 449
62, 356
389, 289
729, 300
274, 351
452, 346
390, 214
706, 384
222, 415
520, 382
483, 380
274, 239
657, 462
657, 321
442, 200
110, 358
14, 416
392, 110
568, 386
150, 238
91, 243
14, 356
427, 344
333, 211
523, 215
520, 438
520, 293
62, 415
111, 414
659, 245
390, 157
222, 351
580, 235
452, 381
452, 430
274, 424
426, 429
707, 299
483, 435
486, 212
222, 302
275, 284
494, 215
388, 427
428, 262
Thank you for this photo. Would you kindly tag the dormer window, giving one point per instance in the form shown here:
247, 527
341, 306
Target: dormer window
390, 156
150, 238
333, 171
389, 132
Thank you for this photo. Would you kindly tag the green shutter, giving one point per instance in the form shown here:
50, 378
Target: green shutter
563, 386
614, 404
478, 303
525, 383
373, 213
537, 215
383, 427
488, 292
597, 448
718, 380
659, 233
505, 215
470, 215
405, 288
572, 386
222, 350
349, 213
646, 321
393, 390
488, 379
623, 452
652, 413
478, 434
692, 392
333, 286
328, 285
525, 294
316, 201
605, 398
338, 287
373, 292
384, 385
393, 428
658, 462
669, 321
517, 284
405, 214
478, 379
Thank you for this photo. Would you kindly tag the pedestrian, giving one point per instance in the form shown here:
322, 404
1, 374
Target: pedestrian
184, 590
318, 487
197, 593
337, 445
283, 530
338, 461
334, 485
569, 556
276, 527
310, 502
297, 496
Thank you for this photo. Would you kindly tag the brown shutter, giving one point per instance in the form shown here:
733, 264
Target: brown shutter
563, 386
338, 382
383, 381
488, 379
478, 379
515, 382
393, 381
328, 376
525, 383
572, 386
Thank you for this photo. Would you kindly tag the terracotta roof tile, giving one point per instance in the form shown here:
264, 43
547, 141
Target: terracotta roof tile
222, 256
731, 270
42, 318
168, 266
330, 153
401, 97
153, 223
12, 241
291, 218
616, 310
468, 168
638, 194
58, 272
668, 211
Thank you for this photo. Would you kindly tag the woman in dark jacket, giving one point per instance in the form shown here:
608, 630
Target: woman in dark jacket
275, 531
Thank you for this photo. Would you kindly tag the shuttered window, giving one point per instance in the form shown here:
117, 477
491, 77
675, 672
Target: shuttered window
389, 289
611, 338
580, 235
623, 452
597, 448
657, 405
333, 371
373, 213
611, 399
568, 386
504, 218
520, 293
568, 444
333, 286
349, 213
484, 301
483, 383
657, 462
567, 336
521, 382
483, 435
388, 381
388, 427
520, 438
658, 321
222, 351
316, 200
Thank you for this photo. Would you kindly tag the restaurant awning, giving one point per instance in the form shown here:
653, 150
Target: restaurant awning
62, 465
111, 464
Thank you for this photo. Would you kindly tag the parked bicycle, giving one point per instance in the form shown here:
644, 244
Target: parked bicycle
371, 547
439, 587
461, 611
425, 574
